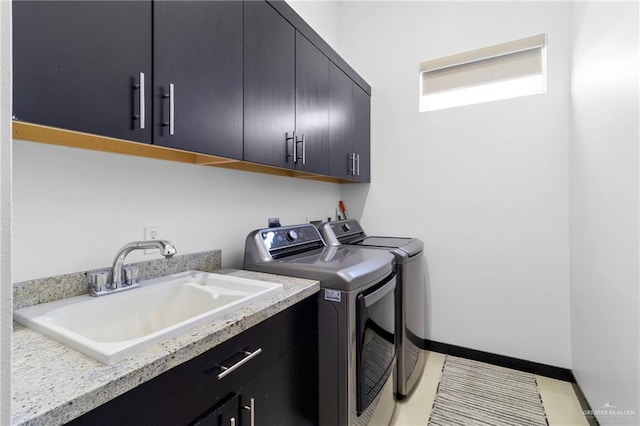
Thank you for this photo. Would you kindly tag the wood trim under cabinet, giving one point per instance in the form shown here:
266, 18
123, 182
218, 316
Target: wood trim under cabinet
70, 138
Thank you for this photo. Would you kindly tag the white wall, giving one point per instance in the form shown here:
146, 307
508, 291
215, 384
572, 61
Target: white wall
604, 206
322, 16
6, 310
73, 209
485, 186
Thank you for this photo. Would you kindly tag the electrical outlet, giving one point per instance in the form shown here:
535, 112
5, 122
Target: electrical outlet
151, 233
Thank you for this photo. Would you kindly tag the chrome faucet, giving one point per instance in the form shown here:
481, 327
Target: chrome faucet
99, 281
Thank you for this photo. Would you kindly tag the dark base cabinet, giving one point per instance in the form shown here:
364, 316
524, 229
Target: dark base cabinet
277, 386
279, 394
224, 414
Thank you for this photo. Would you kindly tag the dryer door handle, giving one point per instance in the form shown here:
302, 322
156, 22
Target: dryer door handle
370, 299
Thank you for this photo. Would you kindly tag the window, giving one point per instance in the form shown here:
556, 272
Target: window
508, 70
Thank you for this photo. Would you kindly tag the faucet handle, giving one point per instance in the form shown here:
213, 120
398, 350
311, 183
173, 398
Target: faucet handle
130, 275
99, 281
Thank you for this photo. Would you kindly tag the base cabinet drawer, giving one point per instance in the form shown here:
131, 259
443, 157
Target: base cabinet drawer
274, 362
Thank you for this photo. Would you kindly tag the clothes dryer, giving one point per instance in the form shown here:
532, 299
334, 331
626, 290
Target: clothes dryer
356, 318
410, 290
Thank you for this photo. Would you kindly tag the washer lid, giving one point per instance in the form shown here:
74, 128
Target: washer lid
341, 268
411, 246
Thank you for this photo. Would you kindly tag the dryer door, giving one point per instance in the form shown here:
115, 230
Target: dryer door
376, 342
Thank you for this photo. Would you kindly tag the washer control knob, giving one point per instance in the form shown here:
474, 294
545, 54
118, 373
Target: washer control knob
346, 227
292, 235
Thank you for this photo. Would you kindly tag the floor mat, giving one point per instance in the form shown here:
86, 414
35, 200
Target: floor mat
474, 393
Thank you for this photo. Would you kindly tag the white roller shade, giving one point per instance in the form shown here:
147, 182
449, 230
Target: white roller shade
519, 58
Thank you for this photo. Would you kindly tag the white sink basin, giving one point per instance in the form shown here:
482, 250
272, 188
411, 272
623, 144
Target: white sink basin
113, 326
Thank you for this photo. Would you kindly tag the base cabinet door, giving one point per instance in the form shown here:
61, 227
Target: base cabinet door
84, 66
283, 394
226, 414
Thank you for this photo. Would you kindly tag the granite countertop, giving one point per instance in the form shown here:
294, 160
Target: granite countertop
53, 384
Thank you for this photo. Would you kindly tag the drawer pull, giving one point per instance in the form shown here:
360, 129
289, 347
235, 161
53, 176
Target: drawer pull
248, 356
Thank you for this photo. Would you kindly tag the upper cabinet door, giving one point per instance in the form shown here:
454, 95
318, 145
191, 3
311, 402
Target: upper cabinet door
312, 107
78, 65
198, 76
349, 128
341, 160
269, 86
362, 134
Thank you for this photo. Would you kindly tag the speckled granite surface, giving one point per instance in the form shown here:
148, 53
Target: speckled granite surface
45, 290
53, 384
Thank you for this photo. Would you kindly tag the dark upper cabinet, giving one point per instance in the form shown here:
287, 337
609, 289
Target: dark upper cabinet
362, 133
286, 94
198, 59
312, 108
245, 80
78, 65
349, 128
269, 86
340, 124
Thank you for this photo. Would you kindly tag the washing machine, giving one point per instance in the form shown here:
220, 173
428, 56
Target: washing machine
410, 310
356, 318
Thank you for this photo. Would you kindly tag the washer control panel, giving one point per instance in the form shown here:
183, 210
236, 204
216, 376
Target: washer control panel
289, 236
344, 228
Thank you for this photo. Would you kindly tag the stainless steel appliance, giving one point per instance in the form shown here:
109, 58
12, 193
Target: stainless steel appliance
410, 312
356, 318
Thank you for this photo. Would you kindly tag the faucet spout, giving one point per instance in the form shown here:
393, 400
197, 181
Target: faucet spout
166, 249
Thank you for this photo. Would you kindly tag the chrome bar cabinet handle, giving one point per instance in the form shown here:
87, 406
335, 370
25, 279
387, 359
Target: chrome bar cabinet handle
232, 422
248, 356
304, 149
294, 142
172, 106
358, 164
172, 109
252, 410
140, 87
352, 157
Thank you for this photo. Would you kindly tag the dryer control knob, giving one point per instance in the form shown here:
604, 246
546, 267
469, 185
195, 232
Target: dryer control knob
292, 235
346, 227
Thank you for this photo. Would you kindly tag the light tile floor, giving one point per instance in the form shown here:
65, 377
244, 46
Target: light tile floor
559, 399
